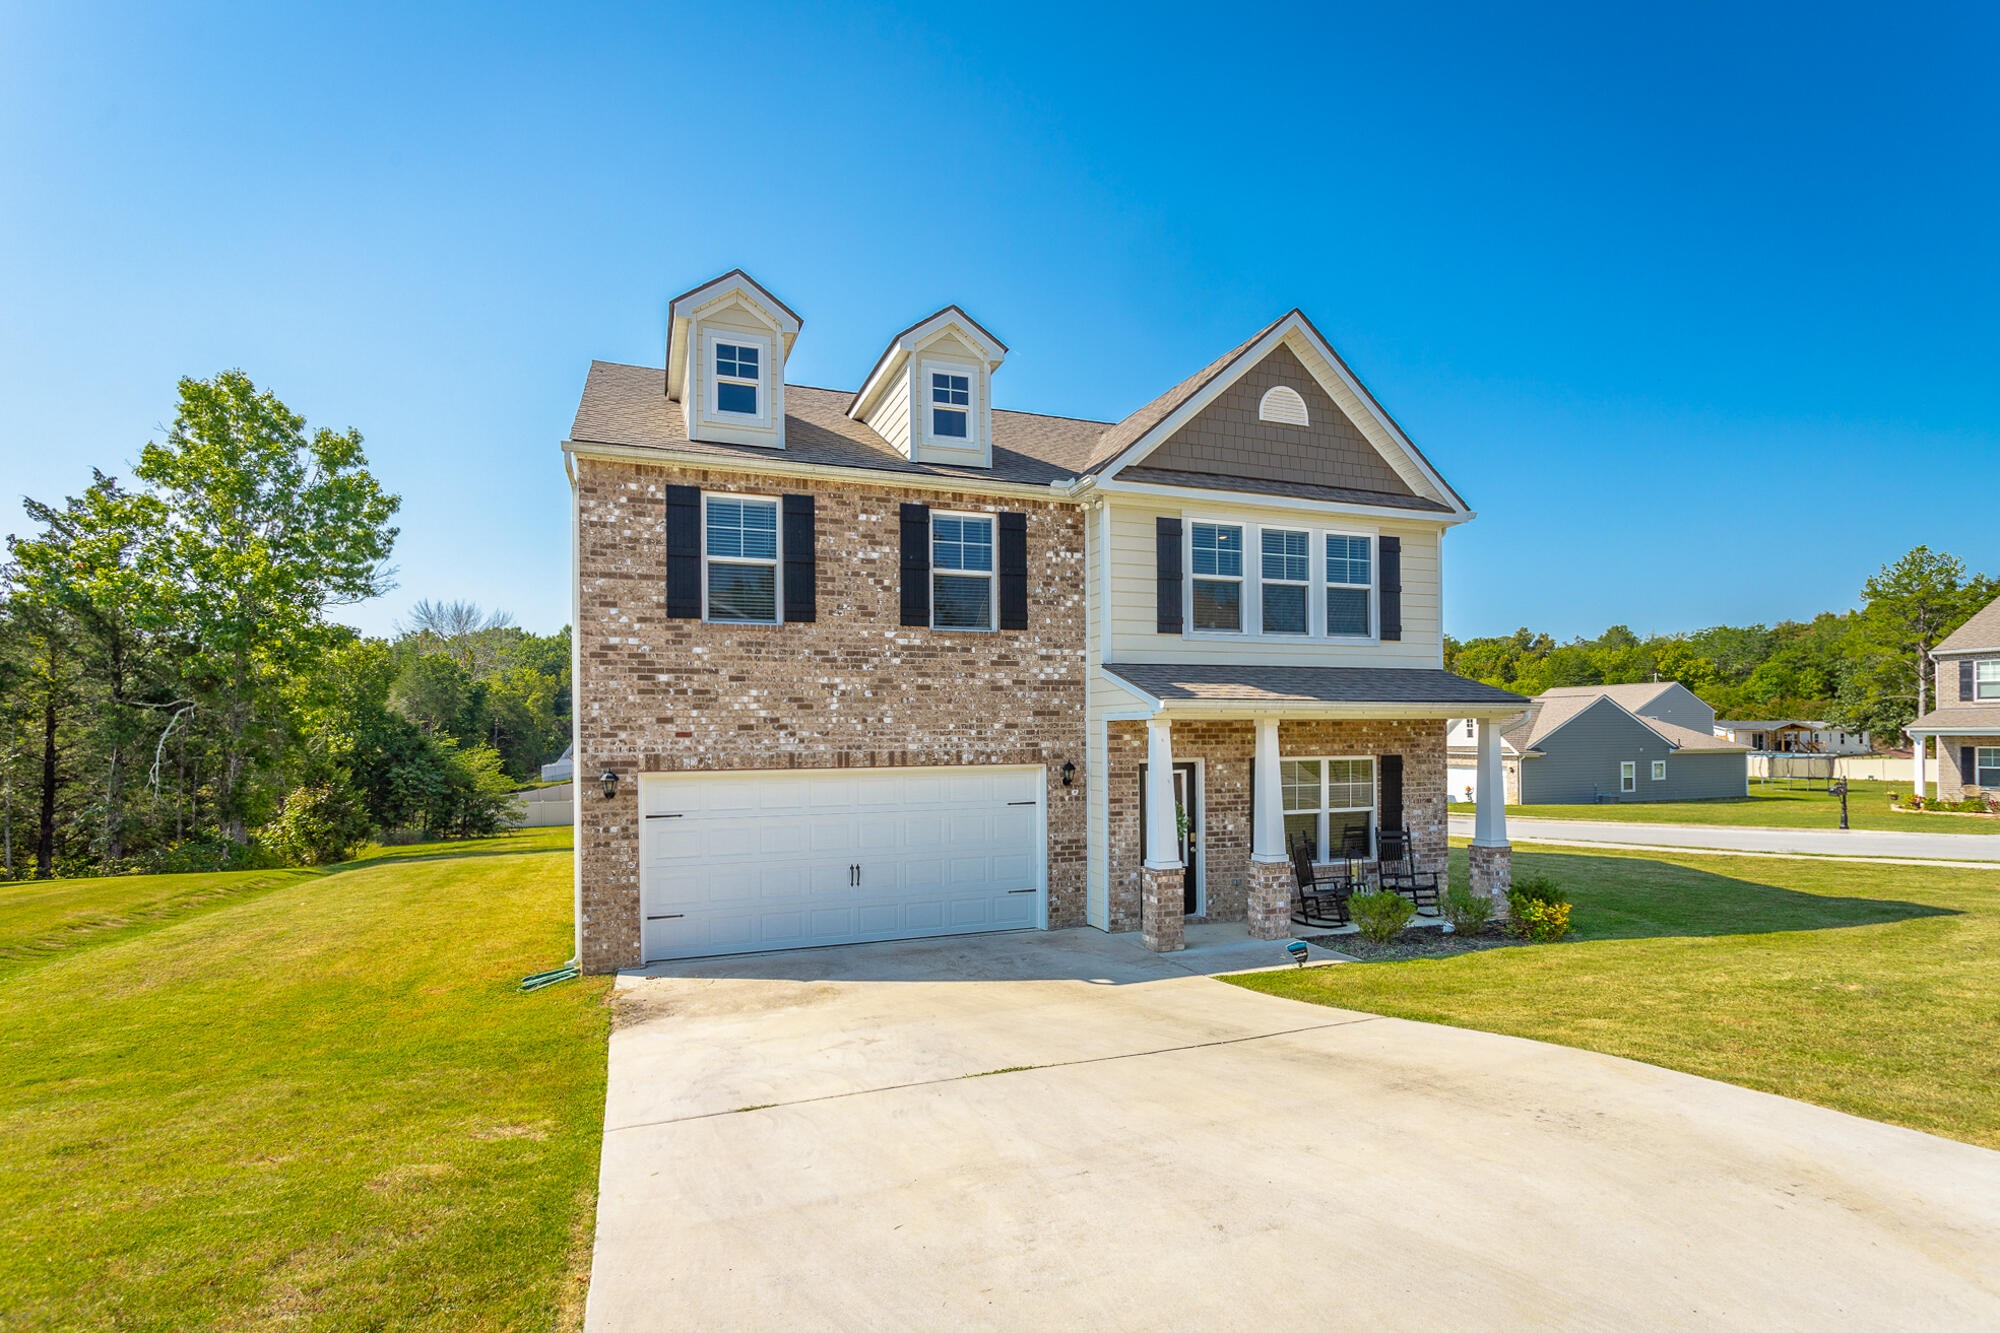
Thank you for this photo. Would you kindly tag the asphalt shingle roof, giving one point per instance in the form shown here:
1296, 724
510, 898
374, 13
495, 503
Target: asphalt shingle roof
1977, 717
1174, 681
1982, 631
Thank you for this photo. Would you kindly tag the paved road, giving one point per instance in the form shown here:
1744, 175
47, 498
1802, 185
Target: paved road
802, 1141
1822, 842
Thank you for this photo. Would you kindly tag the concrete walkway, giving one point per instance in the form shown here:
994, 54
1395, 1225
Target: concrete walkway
1812, 842
805, 1141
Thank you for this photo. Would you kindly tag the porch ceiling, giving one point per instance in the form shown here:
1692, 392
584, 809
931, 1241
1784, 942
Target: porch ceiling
1243, 690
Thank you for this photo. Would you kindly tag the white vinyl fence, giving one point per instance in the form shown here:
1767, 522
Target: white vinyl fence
545, 807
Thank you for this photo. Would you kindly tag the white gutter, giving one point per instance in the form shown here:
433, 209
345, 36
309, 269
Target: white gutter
1053, 492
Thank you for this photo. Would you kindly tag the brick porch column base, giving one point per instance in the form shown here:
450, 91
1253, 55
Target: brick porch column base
1162, 909
1492, 875
1271, 885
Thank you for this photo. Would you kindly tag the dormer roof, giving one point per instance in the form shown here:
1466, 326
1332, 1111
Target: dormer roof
912, 339
683, 309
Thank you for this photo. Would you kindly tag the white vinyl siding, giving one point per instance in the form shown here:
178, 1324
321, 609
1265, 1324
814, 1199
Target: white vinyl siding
1134, 596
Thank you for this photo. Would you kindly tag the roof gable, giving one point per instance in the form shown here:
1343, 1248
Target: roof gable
1144, 432
1227, 438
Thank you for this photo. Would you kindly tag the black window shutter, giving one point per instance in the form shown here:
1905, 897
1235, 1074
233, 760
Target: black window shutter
1965, 682
684, 552
1167, 540
1392, 590
801, 561
1968, 765
1013, 553
916, 564
1392, 790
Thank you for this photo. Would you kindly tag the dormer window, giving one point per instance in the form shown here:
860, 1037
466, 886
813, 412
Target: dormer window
736, 378
951, 405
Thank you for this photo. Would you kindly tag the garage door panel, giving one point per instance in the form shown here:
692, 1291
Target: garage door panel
766, 860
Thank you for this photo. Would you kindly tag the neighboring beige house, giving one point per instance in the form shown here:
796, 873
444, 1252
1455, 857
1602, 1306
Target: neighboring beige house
1962, 734
891, 662
1793, 736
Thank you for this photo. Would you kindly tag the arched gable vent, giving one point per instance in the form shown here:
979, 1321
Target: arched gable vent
1284, 406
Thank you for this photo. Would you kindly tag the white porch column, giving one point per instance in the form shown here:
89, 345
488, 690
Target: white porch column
1163, 847
1162, 901
1919, 769
1267, 822
1489, 822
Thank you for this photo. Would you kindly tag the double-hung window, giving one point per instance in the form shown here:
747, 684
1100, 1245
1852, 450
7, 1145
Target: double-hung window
1287, 570
1986, 768
1217, 583
736, 377
1628, 775
961, 572
951, 405
1659, 770
1986, 681
1349, 584
741, 544
1329, 805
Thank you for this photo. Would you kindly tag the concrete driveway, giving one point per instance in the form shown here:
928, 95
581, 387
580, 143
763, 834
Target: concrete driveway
1061, 1130
1810, 842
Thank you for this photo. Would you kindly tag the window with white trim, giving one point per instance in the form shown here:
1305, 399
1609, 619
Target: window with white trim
1217, 576
740, 555
1327, 802
1986, 769
961, 571
1628, 775
951, 405
1659, 770
1986, 680
1285, 580
737, 377
1349, 586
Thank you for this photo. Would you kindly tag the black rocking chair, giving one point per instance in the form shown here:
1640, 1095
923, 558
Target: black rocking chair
1319, 903
1400, 873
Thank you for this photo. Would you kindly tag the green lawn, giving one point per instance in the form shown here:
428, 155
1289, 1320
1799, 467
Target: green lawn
1768, 807
310, 1100
1873, 989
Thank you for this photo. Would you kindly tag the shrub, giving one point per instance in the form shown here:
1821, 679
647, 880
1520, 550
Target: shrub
1380, 916
1465, 911
202, 855
1537, 888
1972, 805
317, 826
1541, 922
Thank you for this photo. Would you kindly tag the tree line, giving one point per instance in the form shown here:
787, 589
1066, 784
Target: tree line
1866, 669
175, 695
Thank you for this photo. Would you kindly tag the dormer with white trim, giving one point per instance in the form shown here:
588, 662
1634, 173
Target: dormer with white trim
931, 392
727, 341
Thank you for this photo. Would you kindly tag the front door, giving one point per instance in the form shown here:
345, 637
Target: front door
1187, 795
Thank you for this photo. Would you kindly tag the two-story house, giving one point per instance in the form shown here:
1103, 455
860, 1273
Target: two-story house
1964, 728
889, 662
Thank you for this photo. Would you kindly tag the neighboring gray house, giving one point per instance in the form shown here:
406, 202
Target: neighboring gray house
1586, 743
1962, 733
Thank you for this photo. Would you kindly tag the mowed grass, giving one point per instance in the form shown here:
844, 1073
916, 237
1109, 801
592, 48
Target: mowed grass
318, 1104
1770, 807
1872, 989
40, 917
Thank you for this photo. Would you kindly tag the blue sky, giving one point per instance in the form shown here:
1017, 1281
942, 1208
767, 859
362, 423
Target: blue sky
1685, 300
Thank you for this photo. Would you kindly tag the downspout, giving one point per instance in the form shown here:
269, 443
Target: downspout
575, 711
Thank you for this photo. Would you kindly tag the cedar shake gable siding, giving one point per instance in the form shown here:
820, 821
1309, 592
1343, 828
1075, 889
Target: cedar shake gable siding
1228, 439
852, 689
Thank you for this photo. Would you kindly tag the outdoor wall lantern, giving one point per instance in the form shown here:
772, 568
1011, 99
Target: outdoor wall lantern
1069, 771
610, 781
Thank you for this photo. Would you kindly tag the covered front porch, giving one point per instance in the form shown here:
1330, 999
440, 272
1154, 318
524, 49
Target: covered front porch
1222, 777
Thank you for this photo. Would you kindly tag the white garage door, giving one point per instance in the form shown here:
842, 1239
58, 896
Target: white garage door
741, 862
1462, 784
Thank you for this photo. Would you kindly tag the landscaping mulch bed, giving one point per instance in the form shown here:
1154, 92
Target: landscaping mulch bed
1428, 942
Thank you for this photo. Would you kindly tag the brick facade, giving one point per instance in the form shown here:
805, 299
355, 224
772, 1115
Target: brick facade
1226, 751
855, 689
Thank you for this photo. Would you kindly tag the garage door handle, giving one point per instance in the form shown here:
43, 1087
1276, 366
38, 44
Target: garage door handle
671, 916
663, 816
1020, 802
1020, 890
